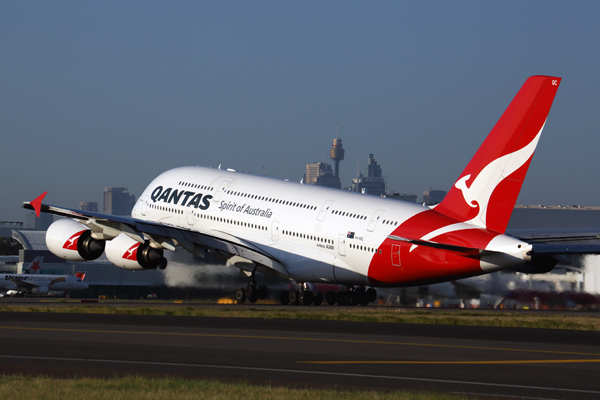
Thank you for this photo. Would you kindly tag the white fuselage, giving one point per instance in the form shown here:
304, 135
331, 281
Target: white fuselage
319, 234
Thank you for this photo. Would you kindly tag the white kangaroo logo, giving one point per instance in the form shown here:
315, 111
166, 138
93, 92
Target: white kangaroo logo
490, 177
70, 242
129, 254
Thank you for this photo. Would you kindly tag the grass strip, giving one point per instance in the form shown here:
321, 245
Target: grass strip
368, 314
141, 388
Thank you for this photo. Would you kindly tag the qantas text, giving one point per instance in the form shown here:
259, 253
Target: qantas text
184, 198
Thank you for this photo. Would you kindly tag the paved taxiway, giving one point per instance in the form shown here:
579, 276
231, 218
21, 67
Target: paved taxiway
530, 363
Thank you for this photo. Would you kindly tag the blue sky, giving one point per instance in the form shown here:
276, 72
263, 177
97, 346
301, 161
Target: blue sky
97, 94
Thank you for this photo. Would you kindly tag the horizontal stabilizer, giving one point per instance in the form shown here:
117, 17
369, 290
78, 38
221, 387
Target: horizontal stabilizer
578, 236
543, 249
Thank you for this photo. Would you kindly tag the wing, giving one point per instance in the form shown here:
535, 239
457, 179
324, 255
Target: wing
234, 250
555, 242
24, 285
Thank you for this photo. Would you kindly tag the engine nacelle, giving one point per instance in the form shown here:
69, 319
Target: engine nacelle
73, 241
127, 253
39, 290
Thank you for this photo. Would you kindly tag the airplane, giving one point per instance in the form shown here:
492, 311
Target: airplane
313, 234
30, 282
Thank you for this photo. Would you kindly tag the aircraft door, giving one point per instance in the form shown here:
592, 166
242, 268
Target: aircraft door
396, 255
225, 182
342, 244
374, 220
275, 231
143, 204
190, 216
324, 209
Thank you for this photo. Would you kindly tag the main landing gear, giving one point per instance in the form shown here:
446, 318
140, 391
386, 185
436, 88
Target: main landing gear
251, 292
302, 296
351, 296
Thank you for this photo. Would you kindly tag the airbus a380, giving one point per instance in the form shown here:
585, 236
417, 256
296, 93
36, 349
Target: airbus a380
308, 233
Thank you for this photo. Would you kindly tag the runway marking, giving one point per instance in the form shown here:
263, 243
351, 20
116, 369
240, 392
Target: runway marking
458, 362
298, 371
297, 338
502, 395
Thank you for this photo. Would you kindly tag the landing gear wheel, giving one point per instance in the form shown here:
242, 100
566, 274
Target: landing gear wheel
330, 298
284, 297
240, 296
353, 298
371, 294
253, 298
293, 297
317, 298
305, 298
364, 301
360, 296
340, 298
262, 292
251, 292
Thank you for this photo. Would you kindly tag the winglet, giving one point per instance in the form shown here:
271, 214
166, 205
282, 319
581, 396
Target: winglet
37, 203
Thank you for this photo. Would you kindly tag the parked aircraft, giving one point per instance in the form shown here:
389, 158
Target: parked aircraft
312, 234
30, 282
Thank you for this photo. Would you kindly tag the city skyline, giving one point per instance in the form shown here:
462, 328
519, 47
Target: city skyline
90, 204
94, 95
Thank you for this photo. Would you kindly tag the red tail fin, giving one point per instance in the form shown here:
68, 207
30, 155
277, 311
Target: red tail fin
487, 190
80, 275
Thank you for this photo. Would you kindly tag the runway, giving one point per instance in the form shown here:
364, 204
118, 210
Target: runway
525, 363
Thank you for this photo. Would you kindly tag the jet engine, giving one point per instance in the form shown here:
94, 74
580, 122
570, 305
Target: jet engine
73, 241
39, 290
127, 253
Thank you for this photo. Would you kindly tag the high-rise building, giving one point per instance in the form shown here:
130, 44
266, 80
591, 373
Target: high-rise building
431, 197
374, 183
337, 153
411, 198
117, 201
373, 169
40, 223
320, 173
89, 206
